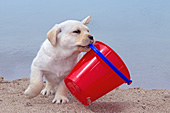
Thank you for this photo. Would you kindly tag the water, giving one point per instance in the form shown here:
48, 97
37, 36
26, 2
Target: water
139, 31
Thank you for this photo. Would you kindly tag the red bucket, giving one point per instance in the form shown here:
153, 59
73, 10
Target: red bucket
92, 78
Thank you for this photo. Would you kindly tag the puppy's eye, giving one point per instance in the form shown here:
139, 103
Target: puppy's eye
77, 31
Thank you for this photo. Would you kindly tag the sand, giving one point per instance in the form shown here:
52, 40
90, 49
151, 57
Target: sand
132, 100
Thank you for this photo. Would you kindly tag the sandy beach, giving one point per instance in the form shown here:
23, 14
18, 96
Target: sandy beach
132, 100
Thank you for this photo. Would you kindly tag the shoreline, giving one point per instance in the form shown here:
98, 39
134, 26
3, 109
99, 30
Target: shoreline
129, 100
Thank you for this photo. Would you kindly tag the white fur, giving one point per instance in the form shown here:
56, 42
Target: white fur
57, 57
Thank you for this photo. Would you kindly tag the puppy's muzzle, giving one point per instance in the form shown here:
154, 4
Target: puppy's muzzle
91, 38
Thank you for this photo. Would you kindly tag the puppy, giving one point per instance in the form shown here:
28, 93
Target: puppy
57, 57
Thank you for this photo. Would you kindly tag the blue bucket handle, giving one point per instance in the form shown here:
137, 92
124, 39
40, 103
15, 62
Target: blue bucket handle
110, 64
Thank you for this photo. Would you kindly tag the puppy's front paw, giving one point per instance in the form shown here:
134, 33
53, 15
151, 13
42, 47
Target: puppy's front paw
29, 93
60, 100
47, 92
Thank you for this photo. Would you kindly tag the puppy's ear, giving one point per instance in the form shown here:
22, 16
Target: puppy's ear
86, 20
52, 34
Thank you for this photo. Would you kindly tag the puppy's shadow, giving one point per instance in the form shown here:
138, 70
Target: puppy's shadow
110, 107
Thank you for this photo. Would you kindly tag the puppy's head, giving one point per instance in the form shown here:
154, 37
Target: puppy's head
71, 34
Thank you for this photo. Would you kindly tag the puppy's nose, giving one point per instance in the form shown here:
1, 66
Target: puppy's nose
90, 37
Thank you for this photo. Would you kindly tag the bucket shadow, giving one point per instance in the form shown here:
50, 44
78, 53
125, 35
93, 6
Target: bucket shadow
110, 107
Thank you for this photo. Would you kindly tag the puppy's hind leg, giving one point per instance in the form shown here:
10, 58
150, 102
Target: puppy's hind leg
49, 89
61, 94
36, 84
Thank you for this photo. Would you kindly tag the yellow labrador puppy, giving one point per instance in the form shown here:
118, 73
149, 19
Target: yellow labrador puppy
56, 58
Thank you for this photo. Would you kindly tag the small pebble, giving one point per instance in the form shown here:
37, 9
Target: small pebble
28, 104
144, 107
1, 78
166, 96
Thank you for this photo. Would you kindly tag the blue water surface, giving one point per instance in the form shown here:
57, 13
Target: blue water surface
138, 30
